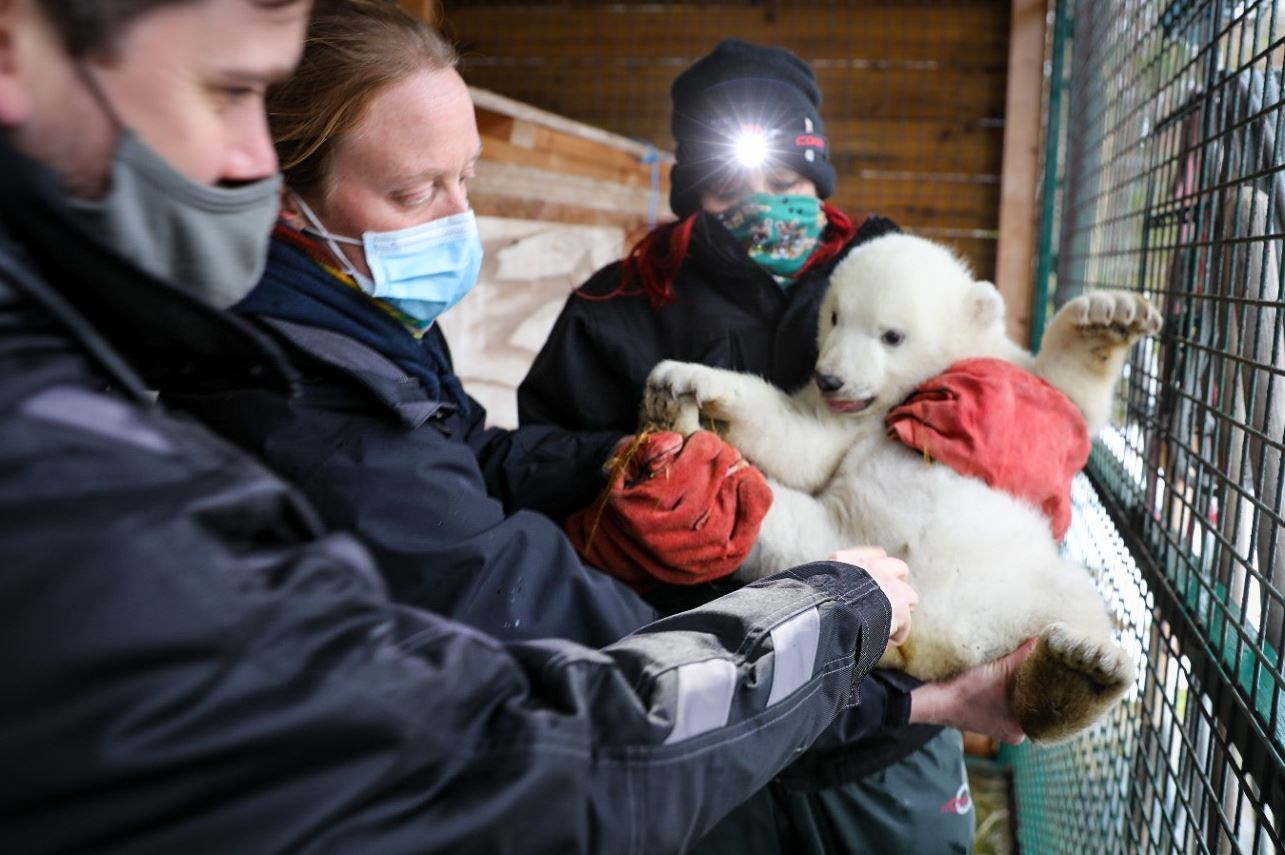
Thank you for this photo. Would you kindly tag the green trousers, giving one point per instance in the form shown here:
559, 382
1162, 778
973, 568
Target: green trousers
921, 805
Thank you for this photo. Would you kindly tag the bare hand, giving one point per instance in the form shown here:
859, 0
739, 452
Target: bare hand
893, 578
980, 699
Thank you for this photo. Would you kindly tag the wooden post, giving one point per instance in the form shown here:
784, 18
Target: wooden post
425, 10
1018, 215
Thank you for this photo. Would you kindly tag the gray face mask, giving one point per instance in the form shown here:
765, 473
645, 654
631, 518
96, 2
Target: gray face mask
211, 242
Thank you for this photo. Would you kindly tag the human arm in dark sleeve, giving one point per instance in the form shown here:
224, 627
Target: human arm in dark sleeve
869, 736
418, 500
208, 677
543, 468
576, 402
978, 699
872, 735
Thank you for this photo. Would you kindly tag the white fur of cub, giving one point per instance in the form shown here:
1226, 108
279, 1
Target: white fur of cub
899, 311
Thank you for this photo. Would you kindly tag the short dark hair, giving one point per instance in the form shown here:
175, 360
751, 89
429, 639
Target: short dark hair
92, 26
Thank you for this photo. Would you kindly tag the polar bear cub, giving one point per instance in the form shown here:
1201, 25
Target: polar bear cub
899, 311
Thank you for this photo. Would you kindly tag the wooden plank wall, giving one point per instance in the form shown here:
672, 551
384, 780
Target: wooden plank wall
914, 91
1019, 218
538, 165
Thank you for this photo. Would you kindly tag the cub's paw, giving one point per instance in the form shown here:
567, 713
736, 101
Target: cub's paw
1102, 662
680, 393
662, 411
1116, 318
1067, 682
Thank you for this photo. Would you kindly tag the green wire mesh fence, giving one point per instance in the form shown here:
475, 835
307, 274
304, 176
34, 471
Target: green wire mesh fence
1172, 183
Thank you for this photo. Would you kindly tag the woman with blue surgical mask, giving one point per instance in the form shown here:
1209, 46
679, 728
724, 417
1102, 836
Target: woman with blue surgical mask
377, 140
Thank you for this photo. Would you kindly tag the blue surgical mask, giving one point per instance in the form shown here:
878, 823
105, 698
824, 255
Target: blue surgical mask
421, 271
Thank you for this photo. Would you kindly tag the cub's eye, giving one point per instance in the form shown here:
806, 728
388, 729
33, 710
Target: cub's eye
834, 319
892, 338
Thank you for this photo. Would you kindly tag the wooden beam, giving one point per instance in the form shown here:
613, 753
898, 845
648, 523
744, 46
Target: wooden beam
554, 159
919, 93
922, 199
497, 179
491, 102
1018, 216
518, 134
941, 145
519, 208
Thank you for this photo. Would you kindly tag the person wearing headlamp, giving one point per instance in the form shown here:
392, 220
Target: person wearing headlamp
752, 151
736, 282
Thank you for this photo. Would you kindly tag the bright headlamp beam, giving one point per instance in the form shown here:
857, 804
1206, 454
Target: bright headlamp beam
751, 148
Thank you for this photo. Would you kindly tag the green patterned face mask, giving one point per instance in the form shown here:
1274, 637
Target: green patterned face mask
778, 232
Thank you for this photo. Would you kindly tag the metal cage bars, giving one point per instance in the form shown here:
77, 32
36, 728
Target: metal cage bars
1173, 184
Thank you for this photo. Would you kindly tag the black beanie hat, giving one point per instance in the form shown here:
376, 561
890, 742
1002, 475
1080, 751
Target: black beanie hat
739, 84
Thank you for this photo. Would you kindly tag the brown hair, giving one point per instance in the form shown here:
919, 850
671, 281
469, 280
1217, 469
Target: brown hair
354, 48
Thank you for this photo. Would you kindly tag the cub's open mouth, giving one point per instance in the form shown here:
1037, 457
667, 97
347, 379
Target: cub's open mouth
844, 406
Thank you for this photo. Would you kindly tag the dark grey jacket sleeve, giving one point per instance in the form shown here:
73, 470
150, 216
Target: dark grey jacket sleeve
191, 668
541, 468
418, 499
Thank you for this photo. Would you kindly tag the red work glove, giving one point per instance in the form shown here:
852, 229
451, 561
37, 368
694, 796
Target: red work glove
676, 512
997, 422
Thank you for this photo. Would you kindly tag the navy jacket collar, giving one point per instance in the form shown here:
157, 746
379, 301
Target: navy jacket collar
298, 291
724, 265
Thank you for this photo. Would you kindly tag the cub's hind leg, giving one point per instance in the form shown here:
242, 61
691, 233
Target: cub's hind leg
1077, 670
1068, 681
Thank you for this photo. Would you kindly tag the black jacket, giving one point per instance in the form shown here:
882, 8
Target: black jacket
385, 443
193, 665
728, 313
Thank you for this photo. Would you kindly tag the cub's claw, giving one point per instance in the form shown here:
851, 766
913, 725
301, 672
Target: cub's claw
1106, 665
679, 395
1120, 317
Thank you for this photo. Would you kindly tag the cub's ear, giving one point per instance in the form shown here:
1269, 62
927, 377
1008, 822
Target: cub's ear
985, 304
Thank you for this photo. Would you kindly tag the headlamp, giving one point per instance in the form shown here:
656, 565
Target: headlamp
750, 146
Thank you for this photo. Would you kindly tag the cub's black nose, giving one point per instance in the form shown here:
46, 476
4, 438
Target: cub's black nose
827, 382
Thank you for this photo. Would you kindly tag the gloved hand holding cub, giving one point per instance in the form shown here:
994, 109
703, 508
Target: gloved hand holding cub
679, 512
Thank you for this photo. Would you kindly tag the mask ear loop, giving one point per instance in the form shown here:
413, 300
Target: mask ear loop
104, 103
332, 242
99, 96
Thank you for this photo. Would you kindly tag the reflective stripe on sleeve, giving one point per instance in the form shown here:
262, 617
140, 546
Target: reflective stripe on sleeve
704, 698
795, 645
